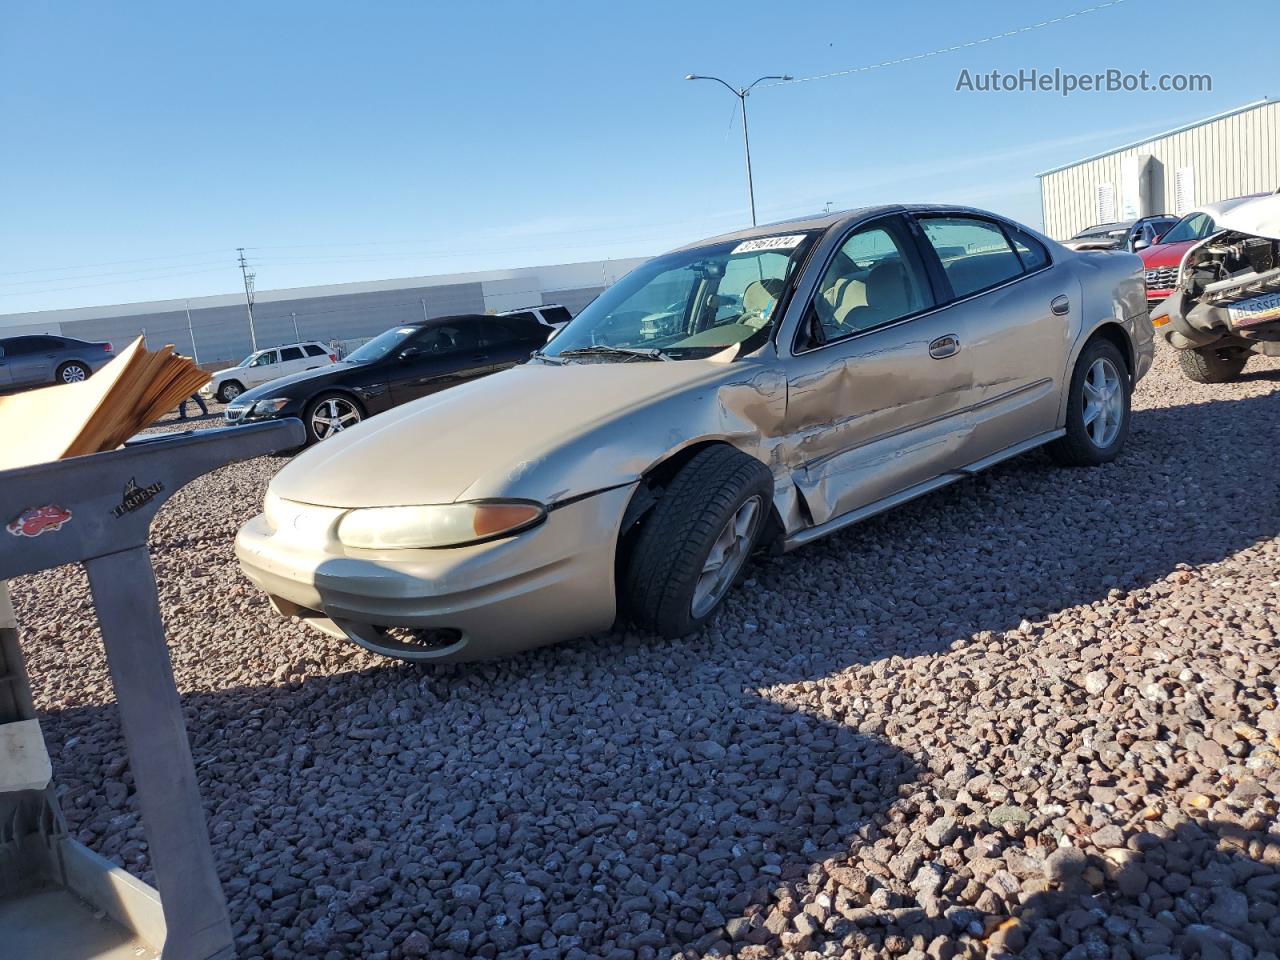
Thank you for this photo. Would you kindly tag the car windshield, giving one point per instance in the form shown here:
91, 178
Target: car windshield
1102, 230
247, 360
1191, 227
687, 305
381, 345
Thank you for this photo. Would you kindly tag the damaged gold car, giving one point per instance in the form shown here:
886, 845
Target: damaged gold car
763, 388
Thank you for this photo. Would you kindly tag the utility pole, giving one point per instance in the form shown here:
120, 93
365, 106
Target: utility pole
195, 354
294, 314
248, 297
423, 301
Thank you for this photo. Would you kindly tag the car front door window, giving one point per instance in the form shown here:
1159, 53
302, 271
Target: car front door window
872, 281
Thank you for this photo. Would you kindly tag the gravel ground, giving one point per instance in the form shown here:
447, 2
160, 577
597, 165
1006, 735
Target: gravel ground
1034, 714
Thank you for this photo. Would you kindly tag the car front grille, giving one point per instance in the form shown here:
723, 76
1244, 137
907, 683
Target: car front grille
1162, 278
234, 414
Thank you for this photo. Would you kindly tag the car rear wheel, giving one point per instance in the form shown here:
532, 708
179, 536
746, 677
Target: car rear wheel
1212, 365
331, 413
1097, 408
691, 548
229, 391
73, 372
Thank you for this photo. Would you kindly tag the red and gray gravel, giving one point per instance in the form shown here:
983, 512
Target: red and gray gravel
1031, 715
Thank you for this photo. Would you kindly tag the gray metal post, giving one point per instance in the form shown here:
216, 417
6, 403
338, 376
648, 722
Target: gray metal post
195, 354
155, 734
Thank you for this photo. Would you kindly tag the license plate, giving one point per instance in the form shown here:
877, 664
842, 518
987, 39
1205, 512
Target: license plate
1257, 310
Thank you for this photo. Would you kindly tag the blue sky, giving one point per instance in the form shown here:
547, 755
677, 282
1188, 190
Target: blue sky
144, 142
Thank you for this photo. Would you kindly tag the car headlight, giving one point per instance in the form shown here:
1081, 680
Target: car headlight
437, 525
265, 408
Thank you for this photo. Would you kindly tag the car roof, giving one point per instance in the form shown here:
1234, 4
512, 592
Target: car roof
836, 218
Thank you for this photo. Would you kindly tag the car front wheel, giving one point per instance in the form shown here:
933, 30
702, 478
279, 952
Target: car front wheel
691, 548
329, 414
1212, 365
229, 391
1097, 408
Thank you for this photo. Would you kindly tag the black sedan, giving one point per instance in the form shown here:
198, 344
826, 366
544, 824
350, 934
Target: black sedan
402, 364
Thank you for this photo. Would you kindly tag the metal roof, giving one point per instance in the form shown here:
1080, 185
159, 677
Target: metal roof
1160, 136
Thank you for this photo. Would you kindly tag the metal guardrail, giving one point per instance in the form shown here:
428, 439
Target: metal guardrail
97, 510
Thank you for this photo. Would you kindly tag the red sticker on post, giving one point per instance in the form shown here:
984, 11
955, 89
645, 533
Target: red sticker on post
38, 520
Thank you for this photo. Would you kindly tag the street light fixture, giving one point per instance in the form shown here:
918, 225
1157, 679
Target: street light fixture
741, 94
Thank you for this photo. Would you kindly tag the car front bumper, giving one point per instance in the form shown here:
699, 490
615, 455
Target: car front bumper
486, 600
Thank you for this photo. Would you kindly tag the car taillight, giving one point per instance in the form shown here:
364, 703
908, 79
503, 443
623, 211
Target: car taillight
333, 358
106, 348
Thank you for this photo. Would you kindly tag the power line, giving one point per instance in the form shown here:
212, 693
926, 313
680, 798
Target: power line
111, 263
951, 49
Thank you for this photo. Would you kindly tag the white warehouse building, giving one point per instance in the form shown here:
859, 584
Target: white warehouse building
1232, 154
215, 330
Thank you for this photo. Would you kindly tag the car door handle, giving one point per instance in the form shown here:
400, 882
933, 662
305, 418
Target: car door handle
1060, 306
945, 346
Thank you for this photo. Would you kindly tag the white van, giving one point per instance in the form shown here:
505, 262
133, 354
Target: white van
269, 364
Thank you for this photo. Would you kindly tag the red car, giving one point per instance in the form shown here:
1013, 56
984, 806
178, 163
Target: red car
1162, 259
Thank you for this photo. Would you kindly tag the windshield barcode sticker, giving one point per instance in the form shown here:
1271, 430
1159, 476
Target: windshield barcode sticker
768, 243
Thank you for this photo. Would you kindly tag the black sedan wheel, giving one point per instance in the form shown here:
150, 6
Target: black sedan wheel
329, 414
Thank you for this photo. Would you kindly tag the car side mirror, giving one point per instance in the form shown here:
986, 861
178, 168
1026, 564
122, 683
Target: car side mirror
408, 353
1140, 244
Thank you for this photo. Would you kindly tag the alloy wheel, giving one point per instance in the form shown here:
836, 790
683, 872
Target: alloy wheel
728, 554
73, 373
231, 391
333, 416
1103, 403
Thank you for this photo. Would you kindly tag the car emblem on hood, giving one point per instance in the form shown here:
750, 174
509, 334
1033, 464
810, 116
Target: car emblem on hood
37, 520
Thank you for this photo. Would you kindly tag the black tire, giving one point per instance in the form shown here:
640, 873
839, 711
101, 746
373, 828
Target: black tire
73, 371
1212, 365
225, 395
661, 573
1078, 448
345, 399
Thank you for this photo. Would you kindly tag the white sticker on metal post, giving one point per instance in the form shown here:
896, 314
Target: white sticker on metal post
768, 243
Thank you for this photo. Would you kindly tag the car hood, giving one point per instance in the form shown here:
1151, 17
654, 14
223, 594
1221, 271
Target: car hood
538, 430
309, 380
1259, 218
1165, 254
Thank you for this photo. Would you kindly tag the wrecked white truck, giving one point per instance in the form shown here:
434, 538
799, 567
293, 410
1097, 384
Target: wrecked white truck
1225, 305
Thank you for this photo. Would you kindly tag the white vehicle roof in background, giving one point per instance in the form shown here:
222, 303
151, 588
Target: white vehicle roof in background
1259, 217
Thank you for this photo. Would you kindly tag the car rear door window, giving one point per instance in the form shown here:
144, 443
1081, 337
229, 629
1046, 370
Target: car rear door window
975, 254
871, 281
1030, 250
290, 353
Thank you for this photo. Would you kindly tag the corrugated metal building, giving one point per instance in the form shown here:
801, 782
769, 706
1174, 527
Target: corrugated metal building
216, 329
1228, 155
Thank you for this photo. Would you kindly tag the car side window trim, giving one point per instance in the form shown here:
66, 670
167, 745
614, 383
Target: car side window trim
900, 229
930, 254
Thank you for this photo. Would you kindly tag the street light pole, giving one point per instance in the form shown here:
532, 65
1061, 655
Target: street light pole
741, 93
